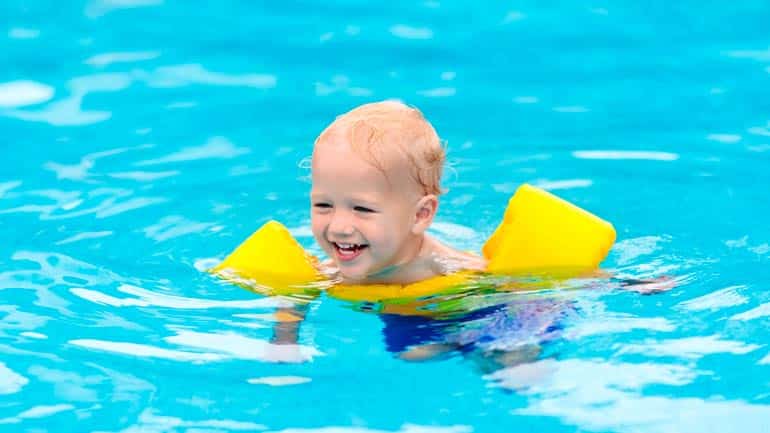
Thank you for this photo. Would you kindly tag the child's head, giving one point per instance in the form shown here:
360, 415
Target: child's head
376, 174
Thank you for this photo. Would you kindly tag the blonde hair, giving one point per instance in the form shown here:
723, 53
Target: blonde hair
387, 133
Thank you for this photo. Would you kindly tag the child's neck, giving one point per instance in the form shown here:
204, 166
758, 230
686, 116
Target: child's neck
417, 266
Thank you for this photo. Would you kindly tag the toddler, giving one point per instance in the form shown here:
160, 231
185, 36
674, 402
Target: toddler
376, 173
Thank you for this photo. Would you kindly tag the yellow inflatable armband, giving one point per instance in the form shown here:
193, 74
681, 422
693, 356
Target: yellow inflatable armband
272, 258
543, 233
539, 233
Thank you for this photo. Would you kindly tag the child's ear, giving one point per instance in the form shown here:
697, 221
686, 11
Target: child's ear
425, 210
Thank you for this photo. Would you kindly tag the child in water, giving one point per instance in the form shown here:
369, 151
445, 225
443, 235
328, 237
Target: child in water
376, 173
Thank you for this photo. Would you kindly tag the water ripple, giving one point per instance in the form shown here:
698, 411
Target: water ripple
41, 411
147, 298
438, 92
69, 111
173, 226
688, 348
279, 380
106, 59
214, 148
607, 396
631, 249
146, 351
552, 185
10, 381
340, 83
98, 8
23, 33
71, 204
408, 32
618, 323
625, 155
21, 93
184, 75
723, 298
219, 346
149, 422
754, 313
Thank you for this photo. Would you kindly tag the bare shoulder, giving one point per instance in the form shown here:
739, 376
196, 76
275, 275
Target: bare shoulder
449, 259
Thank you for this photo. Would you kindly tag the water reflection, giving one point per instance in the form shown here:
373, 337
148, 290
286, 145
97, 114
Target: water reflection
24, 92
609, 396
10, 381
69, 111
208, 347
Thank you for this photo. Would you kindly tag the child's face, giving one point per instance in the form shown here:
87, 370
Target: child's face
364, 221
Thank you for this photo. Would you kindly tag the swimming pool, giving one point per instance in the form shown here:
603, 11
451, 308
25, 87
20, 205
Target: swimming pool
143, 139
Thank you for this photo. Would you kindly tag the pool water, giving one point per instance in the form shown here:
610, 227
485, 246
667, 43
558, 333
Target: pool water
142, 140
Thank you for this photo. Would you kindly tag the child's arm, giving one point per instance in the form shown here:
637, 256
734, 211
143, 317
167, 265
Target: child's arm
647, 287
287, 323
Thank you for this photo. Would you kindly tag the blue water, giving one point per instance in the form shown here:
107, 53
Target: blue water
141, 140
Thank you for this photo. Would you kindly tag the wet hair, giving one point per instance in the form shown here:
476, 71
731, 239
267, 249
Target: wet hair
389, 134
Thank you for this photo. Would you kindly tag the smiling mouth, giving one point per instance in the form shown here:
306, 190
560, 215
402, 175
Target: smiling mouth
347, 252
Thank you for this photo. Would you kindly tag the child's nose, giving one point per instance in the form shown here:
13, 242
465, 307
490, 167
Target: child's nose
341, 224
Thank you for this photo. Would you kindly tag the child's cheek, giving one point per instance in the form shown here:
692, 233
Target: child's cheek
317, 226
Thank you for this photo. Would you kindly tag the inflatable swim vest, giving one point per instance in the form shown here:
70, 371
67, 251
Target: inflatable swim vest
540, 234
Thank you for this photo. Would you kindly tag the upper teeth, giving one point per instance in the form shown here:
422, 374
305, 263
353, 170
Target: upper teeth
346, 245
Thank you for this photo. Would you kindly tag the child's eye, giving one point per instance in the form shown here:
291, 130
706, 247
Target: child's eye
322, 205
363, 209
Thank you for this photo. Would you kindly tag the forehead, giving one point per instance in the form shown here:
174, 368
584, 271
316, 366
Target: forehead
336, 165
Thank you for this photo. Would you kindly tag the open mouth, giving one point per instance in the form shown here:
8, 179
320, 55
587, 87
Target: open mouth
348, 252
